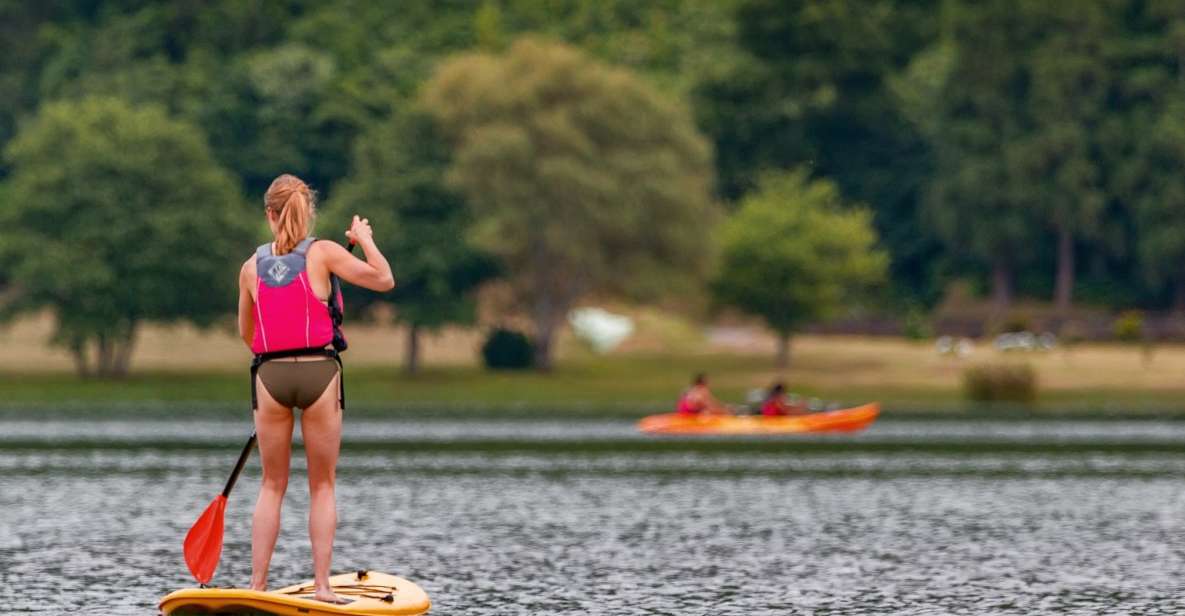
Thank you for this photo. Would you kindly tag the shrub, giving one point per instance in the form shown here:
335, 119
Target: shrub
1129, 327
506, 349
916, 325
1000, 383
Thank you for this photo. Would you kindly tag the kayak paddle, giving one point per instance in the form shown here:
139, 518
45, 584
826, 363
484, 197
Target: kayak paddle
203, 542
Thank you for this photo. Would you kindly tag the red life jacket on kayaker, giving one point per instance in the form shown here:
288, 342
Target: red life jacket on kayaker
773, 408
288, 315
686, 407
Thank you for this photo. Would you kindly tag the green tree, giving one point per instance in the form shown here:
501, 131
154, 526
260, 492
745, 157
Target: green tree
421, 224
794, 254
965, 93
1066, 100
1011, 99
809, 87
582, 178
1144, 143
116, 215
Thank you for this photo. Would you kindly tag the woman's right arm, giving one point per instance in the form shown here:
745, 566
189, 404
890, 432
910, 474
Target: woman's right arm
374, 273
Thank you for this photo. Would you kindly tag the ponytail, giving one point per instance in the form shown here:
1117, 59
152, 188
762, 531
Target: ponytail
292, 202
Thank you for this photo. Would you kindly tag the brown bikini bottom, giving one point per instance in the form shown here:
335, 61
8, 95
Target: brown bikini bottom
297, 384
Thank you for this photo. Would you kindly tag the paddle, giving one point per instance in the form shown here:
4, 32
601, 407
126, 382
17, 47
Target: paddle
203, 542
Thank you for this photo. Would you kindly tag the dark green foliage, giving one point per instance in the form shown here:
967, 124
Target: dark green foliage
506, 349
1035, 147
115, 215
1000, 383
810, 89
795, 254
581, 177
1129, 326
420, 223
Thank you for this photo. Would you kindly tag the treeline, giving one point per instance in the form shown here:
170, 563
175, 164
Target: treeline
476, 151
1029, 149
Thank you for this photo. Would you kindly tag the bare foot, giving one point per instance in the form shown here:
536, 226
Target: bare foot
329, 597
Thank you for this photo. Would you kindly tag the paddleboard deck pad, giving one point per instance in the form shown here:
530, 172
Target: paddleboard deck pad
373, 594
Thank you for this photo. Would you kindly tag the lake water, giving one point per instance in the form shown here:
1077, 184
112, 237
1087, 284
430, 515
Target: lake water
515, 517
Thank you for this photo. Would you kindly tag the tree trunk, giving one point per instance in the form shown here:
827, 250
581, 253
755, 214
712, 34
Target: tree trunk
81, 365
1001, 289
103, 356
411, 363
543, 339
783, 351
123, 353
1064, 284
548, 311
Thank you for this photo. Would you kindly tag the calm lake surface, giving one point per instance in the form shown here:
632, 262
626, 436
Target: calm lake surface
550, 517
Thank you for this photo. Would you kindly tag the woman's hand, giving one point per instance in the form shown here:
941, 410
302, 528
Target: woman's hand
360, 232
373, 273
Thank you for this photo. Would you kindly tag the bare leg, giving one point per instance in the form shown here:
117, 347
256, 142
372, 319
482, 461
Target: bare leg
321, 425
273, 427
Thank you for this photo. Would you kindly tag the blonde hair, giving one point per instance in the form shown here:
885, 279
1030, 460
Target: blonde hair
293, 202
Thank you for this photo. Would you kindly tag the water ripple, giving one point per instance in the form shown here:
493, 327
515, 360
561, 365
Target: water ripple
629, 530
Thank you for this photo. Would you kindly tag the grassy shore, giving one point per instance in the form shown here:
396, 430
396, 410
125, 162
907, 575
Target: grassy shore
627, 386
177, 365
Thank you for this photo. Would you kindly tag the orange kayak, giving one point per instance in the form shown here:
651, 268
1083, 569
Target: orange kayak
842, 420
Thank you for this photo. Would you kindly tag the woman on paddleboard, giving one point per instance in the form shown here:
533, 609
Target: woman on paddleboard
287, 305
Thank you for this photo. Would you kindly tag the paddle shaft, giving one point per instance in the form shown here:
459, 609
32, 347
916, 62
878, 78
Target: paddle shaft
234, 475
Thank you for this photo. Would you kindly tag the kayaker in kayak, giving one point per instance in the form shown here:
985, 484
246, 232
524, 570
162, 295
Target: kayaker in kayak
698, 399
287, 309
775, 404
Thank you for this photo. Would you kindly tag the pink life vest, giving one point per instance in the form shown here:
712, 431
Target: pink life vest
288, 315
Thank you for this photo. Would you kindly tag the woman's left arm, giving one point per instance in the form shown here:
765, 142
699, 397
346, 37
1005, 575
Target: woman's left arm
246, 306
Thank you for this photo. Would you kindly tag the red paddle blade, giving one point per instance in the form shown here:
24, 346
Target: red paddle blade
203, 542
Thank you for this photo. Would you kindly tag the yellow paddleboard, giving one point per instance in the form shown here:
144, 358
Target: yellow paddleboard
373, 594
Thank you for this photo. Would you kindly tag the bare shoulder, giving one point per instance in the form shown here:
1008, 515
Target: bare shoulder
326, 248
247, 271
326, 254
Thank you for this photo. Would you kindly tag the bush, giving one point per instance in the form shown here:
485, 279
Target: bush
506, 349
1000, 383
916, 325
1129, 327
1015, 324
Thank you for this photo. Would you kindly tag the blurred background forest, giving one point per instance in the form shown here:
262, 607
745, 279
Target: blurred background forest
901, 167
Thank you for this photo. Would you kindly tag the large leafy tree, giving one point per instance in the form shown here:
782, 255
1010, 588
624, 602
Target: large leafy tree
421, 224
1145, 143
795, 253
810, 87
116, 215
1011, 99
1066, 99
582, 178
966, 94
1157, 200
